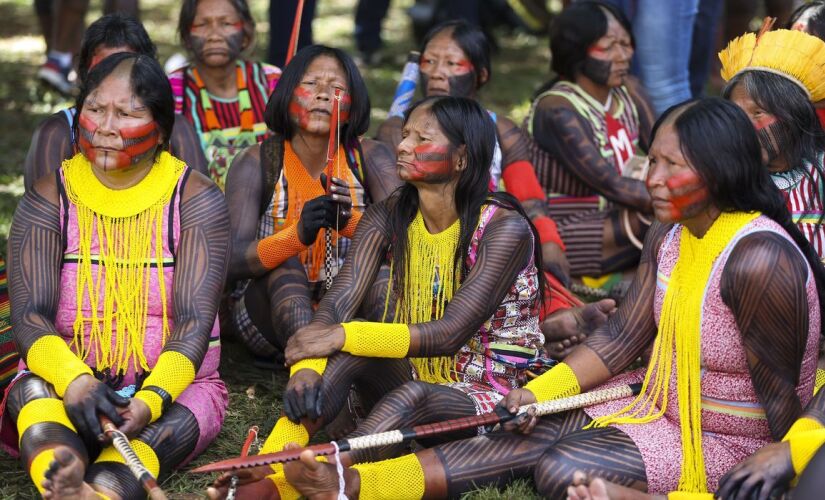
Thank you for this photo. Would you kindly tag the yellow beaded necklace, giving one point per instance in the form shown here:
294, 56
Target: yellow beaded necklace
126, 223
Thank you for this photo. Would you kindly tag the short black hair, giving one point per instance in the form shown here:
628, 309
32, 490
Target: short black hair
816, 23
148, 82
472, 41
113, 30
189, 8
277, 109
577, 28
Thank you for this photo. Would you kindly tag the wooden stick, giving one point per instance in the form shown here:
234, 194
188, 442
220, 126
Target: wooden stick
500, 415
296, 31
121, 444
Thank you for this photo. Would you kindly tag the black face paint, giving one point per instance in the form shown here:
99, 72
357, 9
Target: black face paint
597, 70
462, 85
234, 45
774, 138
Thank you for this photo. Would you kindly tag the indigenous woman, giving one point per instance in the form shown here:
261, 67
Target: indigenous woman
455, 60
766, 81
221, 93
117, 263
55, 138
465, 283
589, 124
726, 299
278, 203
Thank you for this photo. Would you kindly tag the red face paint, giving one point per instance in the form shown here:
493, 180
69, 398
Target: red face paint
687, 193
299, 107
764, 121
346, 105
138, 143
431, 163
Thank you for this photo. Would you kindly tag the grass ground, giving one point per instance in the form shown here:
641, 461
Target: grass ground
519, 67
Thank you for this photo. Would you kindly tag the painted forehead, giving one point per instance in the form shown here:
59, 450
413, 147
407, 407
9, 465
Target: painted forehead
116, 89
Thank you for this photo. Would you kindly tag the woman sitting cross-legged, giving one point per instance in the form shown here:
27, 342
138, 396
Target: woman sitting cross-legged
465, 286
117, 262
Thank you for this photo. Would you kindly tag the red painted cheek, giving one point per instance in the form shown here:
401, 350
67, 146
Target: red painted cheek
431, 161
596, 51
139, 140
763, 122
344, 109
299, 106
463, 67
687, 190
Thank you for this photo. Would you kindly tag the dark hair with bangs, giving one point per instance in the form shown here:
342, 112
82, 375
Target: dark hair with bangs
189, 9
464, 122
113, 30
573, 32
148, 82
471, 40
719, 142
277, 109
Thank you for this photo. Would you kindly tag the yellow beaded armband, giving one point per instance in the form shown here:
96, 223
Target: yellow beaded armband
318, 365
376, 340
171, 375
804, 446
559, 382
802, 425
688, 495
51, 359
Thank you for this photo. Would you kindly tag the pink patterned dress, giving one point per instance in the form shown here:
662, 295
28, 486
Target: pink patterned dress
496, 358
733, 421
206, 397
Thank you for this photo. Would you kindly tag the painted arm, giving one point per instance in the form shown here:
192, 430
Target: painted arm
381, 173
186, 145
567, 136
764, 285
50, 145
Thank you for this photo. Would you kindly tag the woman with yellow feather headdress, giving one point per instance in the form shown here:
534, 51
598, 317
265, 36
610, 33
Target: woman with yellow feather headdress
117, 262
775, 77
727, 304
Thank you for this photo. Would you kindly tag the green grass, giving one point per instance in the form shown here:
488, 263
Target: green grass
519, 67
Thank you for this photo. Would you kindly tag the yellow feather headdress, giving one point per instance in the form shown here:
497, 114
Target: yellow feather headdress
797, 56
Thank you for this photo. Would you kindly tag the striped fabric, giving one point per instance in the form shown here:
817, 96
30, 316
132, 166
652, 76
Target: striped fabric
8, 351
804, 194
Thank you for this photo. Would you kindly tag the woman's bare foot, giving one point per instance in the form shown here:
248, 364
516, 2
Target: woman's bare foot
64, 479
315, 480
599, 489
569, 327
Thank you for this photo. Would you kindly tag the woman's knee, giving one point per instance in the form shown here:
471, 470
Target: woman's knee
553, 473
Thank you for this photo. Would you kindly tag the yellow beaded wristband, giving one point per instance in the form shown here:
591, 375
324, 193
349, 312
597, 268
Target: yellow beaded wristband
688, 495
802, 425
558, 382
376, 340
51, 359
804, 446
171, 375
318, 365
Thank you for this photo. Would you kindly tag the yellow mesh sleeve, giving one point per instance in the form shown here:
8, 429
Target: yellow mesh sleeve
393, 479
143, 451
688, 495
559, 382
39, 465
274, 250
376, 340
318, 365
802, 424
285, 431
803, 447
173, 373
51, 359
42, 410
285, 490
820, 380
